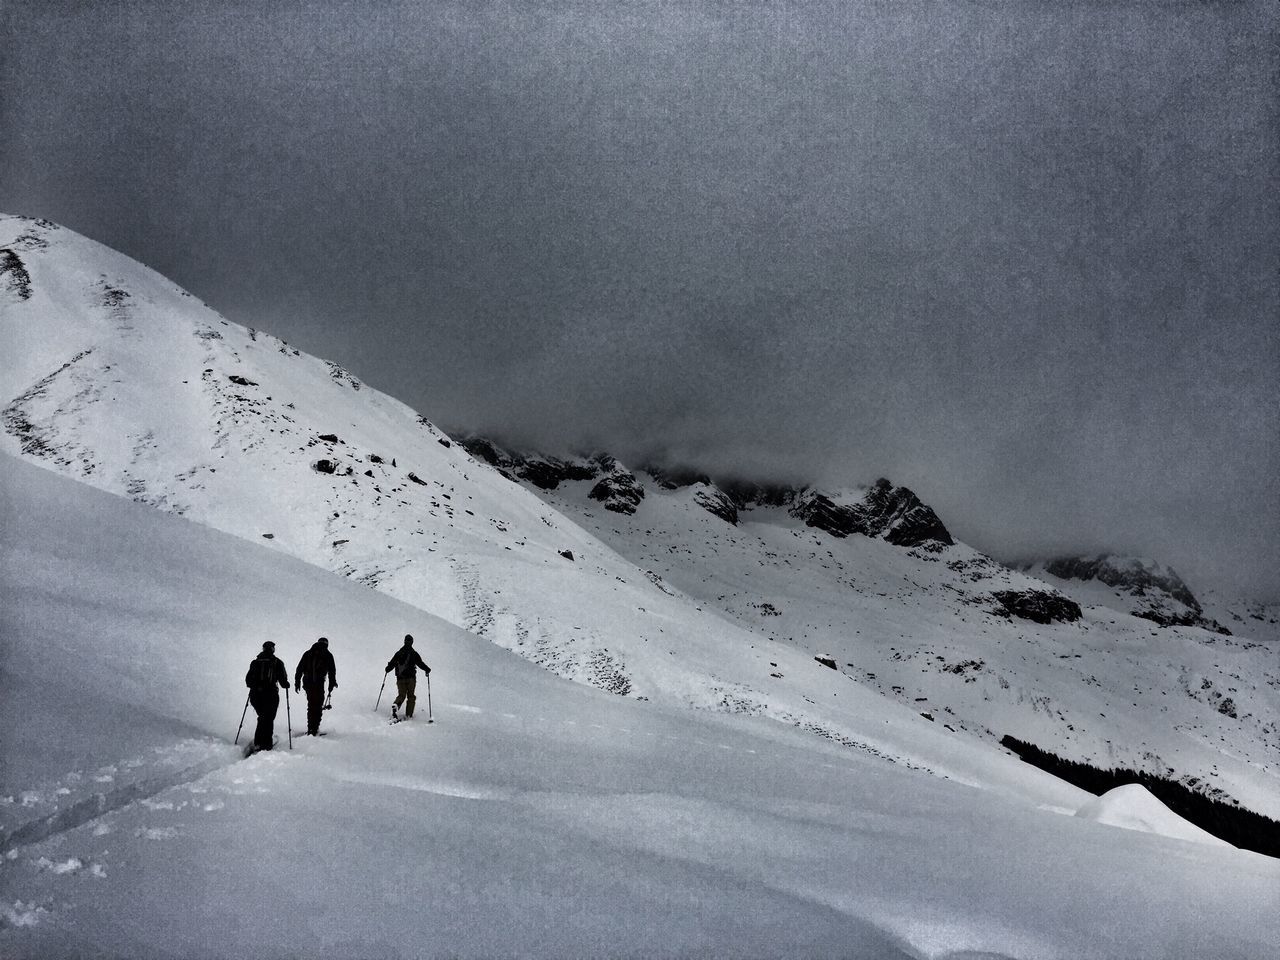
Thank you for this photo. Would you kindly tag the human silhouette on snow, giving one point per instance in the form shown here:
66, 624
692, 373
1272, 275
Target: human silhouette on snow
266, 672
406, 663
316, 664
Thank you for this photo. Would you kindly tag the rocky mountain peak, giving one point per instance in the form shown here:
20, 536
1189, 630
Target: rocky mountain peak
881, 511
887, 512
545, 473
1155, 592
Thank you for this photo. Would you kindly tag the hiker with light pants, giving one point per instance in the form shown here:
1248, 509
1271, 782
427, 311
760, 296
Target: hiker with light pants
405, 663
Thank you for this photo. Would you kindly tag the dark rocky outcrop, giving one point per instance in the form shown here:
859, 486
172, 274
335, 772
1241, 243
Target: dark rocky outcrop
745, 493
484, 450
548, 473
545, 473
1040, 606
1160, 595
1130, 575
898, 515
717, 503
13, 274
619, 490
242, 381
1166, 618
676, 478
892, 513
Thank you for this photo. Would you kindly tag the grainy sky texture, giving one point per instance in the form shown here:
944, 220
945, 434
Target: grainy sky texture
1023, 257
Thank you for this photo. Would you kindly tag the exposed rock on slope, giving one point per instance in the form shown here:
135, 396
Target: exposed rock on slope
716, 502
891, 513
616, 487
14, 278
1152, 591
618, 490
883, 511
545, 473
1040, 606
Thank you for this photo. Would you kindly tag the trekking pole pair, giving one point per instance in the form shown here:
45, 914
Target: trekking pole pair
384, 686
245, 712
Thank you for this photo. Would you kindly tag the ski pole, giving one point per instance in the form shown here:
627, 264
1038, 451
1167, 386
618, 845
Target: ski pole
328, 704
242, 716
380, 689
287, 718
429, 720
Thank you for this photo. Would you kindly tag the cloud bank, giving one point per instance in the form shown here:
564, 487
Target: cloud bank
1019, 257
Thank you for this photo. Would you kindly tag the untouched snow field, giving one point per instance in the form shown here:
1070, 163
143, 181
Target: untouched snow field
535, 817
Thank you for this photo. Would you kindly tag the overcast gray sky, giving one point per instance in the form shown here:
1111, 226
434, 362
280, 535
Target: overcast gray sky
1021, 257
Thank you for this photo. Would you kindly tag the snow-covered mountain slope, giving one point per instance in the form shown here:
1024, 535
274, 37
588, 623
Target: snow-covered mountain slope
123, 381
948, 631
535, 817
116, 377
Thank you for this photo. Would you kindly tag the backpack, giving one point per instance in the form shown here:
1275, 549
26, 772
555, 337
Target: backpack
315, 668
407, 665
261, 673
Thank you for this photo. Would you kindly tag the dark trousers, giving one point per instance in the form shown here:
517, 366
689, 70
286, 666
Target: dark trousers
404, 692
266, 702
315, 707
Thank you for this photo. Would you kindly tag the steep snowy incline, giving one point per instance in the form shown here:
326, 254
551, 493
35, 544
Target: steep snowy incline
123, 381
927, 626
536, 817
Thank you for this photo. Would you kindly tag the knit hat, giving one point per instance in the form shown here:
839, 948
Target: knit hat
269, 646
324, 640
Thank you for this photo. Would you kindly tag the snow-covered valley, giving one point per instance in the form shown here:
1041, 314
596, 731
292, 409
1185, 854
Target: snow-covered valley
683, 778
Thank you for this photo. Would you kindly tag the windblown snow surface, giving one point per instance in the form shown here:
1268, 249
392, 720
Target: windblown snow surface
675, 782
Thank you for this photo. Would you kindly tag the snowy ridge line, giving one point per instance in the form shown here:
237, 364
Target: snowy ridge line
94, 806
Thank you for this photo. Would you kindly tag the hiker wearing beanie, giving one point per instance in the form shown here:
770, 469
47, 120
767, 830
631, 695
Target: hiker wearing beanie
316, 664
265, 672
406, 663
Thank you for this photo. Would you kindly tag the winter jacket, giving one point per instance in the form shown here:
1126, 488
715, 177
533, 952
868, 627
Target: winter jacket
265, 672
316, 664
405, 663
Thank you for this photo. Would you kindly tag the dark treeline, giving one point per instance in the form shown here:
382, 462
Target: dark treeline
1239, 827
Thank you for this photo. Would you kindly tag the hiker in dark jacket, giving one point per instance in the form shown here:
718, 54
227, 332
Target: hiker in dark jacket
316, 664
265, 673
406, 663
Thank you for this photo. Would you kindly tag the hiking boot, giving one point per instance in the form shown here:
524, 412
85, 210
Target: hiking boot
394, 715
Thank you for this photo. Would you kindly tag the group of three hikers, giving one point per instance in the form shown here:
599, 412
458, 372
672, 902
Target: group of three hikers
267, 674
